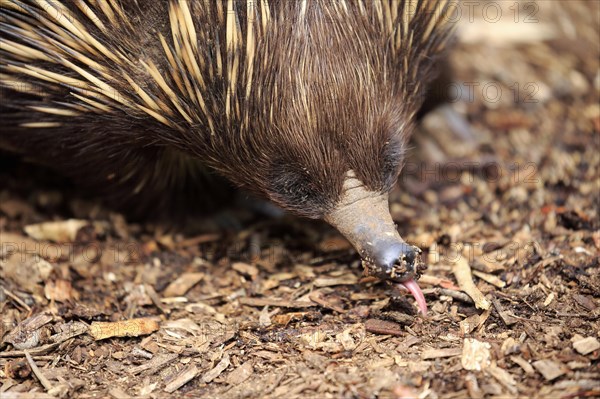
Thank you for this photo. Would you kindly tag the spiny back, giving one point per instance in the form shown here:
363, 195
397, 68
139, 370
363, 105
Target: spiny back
282, 97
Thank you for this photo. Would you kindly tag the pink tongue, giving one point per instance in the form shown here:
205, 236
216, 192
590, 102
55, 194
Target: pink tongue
415, 290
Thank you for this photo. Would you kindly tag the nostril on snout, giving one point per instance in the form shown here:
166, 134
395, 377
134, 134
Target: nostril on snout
397, 260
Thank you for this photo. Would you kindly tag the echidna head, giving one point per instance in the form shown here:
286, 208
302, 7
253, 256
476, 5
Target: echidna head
336, 160
357, 208
323, 132
351, 193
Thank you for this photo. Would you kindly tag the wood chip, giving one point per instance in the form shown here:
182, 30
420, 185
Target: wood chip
473, 387
27, 333
504, 378
458, 295
11, 243
440, 353
348, 279
399, 317
26, 395
17, 369
182, 378
539, 267
217, 370
587, 345
27, 271
507, 318
240, 374
403, 391
69, 330
60, 291
585, 301
407, 343
322, 299
434, 280
154, 365
345, 338
283, 303
489, 266
126, 328
462, 272
15, 298
195, 241
60, 231
270, 356
549, 369
286, 318
490, 278
475, 355
524, 364
483, 318
182, 284
245, 268
469, 324
384, 327
549, 299
118, 393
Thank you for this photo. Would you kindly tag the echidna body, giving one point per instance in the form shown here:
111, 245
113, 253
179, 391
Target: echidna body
307, 103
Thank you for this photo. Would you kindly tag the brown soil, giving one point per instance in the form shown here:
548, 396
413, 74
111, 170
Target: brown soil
501, 185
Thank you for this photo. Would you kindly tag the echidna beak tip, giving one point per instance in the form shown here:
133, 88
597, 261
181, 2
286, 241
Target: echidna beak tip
396, 261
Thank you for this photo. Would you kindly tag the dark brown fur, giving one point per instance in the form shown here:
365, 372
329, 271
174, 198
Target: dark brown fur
328, 94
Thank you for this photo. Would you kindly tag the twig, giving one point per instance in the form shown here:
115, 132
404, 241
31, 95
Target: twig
38, 373
507, 318
458, 295
260, 302
155, 299
40, 350
18, 300
182, 378
490, 278
539, 266
462, 271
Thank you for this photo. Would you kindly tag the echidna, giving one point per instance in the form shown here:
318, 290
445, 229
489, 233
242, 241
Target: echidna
307, 103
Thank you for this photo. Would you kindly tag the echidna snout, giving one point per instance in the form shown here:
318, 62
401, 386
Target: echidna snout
363, 217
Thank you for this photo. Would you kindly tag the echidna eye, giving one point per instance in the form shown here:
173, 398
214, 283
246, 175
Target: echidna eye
392, 160
291, 185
